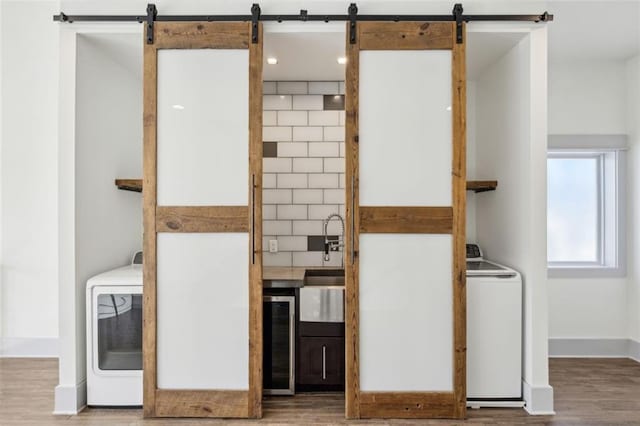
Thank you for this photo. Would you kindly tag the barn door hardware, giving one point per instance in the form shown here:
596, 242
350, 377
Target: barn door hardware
457, 16
353, 15
256, 15
255, 18
152, 14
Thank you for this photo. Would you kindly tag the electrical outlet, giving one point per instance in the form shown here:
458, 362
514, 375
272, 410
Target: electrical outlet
273, 246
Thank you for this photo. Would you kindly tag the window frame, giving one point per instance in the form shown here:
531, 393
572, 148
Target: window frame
611, 260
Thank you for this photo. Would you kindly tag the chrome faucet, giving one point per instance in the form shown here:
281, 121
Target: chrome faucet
332, 245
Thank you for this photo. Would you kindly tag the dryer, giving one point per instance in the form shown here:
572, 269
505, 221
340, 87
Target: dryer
114, 336
494, 333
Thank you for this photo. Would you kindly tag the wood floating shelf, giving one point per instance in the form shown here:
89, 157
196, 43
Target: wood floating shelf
482, 185
134, 185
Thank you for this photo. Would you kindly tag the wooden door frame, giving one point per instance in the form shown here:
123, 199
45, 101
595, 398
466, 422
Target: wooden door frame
202, 403
406, 36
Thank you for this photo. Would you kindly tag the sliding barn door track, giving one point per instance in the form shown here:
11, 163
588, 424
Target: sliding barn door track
352, 17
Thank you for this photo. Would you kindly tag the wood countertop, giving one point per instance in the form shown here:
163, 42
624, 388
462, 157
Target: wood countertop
279, 273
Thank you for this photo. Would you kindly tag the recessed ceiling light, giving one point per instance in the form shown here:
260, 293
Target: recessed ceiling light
176, 106
342, 60
272, 61
448, 108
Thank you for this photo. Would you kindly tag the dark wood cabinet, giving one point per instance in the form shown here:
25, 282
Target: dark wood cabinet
321, 356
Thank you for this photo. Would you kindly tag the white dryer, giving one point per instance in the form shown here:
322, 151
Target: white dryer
114, 336
494, 333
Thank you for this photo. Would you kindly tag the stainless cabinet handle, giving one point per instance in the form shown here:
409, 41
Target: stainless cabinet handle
353, 219
324, 362
253, 219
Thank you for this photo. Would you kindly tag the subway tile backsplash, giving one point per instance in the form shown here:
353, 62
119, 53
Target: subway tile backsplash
304, 167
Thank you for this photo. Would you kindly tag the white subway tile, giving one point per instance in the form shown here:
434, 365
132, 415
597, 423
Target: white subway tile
276, 259
307, 134
324, 118
276, 133
268, 180
270, 118
323, 87
334, 165
342, 149
268, 212
307, 165
322, 211
276, 165
296, 180
307, 258
335, 227
341, 88
307, 196
291, 211
276, 196
292, 149
292, 88
276, 227
289, 243
343, 210
292, 118
307, 227
342, 180
334, 196
334, 133
323, 180
336, 259
269, 88
323, 149
343, 117
276, 102
308, 102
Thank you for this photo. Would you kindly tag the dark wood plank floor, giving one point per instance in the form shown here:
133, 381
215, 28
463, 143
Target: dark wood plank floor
587, 392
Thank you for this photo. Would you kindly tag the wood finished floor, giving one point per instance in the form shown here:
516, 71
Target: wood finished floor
587, 392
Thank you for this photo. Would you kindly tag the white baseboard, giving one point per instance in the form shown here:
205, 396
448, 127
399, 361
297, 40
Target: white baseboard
594, 348
70, 399
538, 399
35, 347
634, 350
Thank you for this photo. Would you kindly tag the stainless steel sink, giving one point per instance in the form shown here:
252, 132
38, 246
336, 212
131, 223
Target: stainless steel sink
324, 277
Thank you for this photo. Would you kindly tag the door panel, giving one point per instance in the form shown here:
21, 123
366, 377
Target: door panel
200, 294
202, 340
202, 99
405, 119
405, 278
405, 312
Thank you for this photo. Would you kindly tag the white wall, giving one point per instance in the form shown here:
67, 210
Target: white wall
29, 263
100, 140
511, 222
587, 98
633, 201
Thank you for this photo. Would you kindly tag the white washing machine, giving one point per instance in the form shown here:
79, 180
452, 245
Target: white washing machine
494, 333
114, 336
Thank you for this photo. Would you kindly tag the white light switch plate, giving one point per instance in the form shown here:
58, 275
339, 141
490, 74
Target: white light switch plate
273, 246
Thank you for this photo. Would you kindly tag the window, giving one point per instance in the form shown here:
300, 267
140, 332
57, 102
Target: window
584, 213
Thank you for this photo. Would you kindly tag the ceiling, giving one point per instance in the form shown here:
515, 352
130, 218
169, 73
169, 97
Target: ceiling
594, 30
484, 49
304, 56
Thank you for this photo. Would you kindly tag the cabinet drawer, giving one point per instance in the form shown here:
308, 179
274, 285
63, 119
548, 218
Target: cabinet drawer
321, 329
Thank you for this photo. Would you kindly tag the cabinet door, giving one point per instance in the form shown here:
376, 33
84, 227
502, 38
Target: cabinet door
321, 361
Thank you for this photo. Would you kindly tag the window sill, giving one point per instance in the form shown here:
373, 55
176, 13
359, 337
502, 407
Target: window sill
586, 272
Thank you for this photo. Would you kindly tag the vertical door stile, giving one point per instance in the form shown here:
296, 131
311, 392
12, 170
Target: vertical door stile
352, 379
